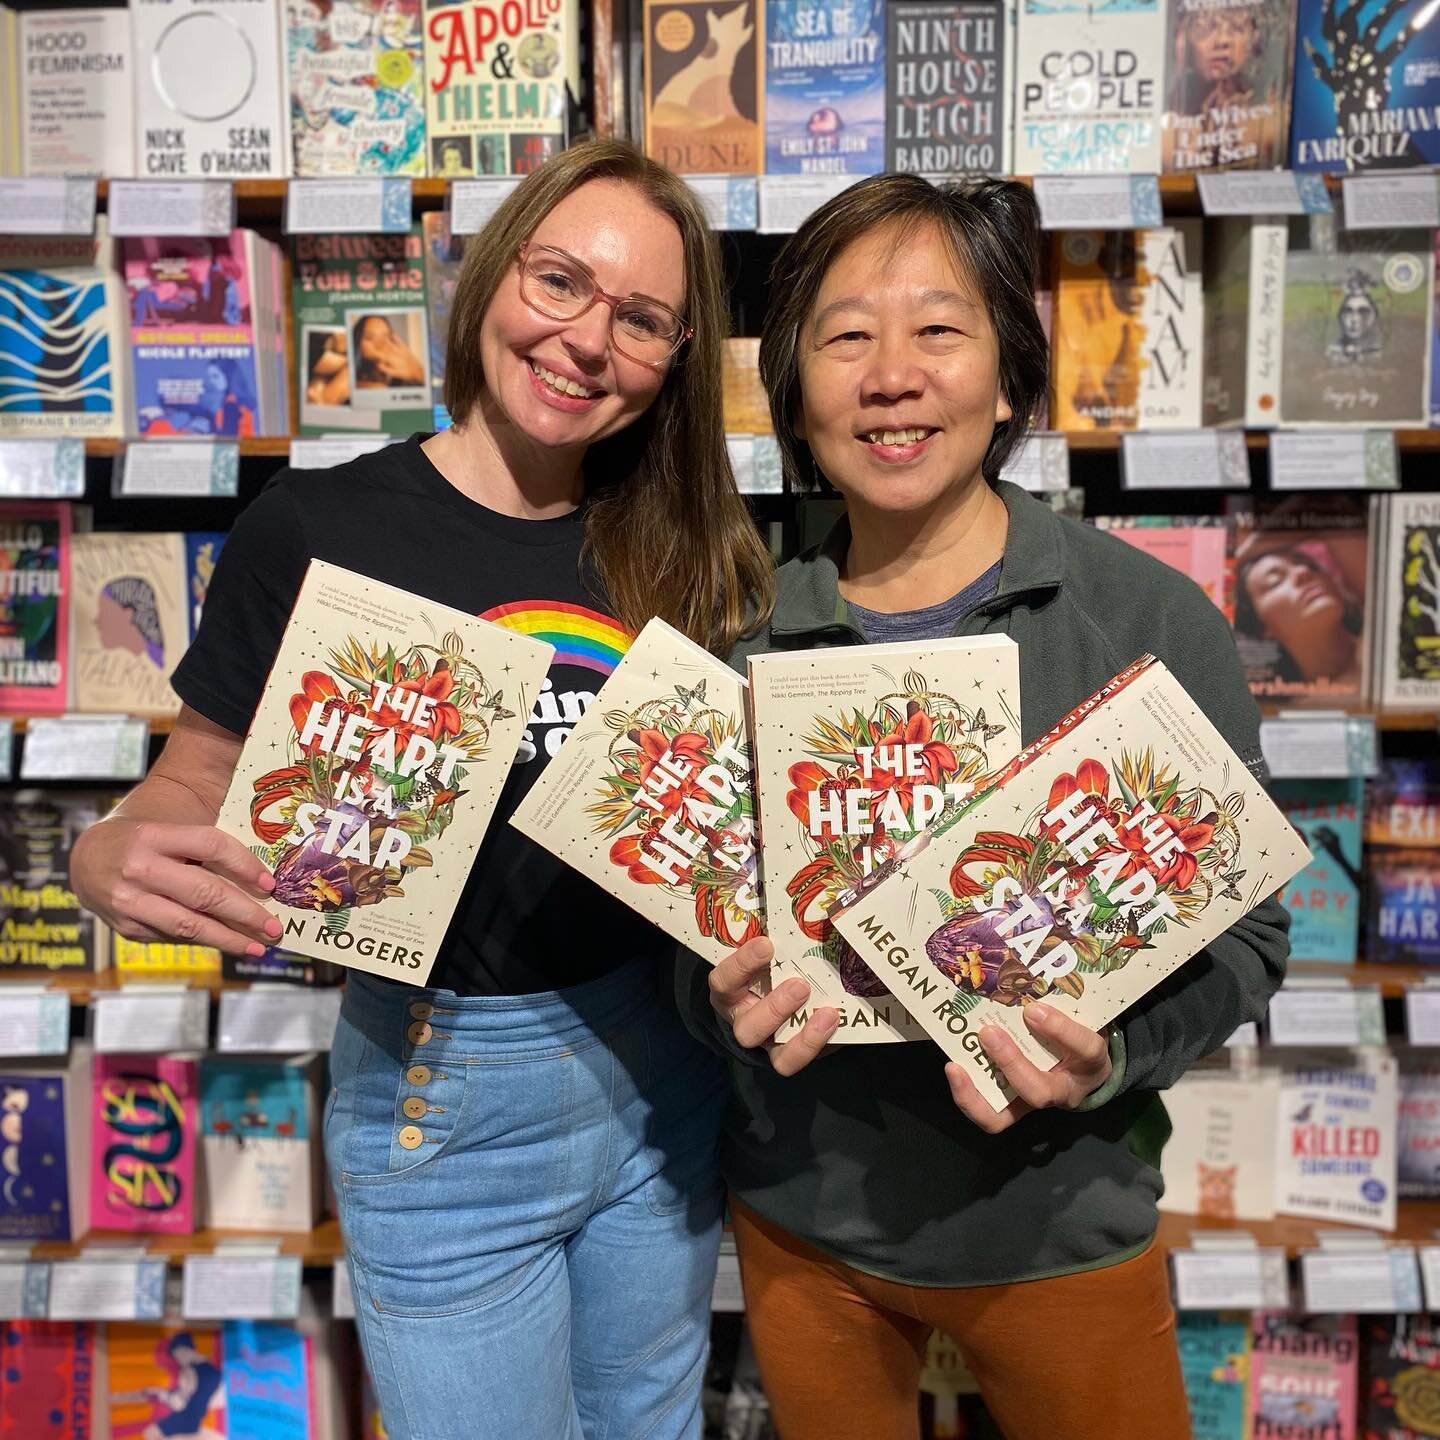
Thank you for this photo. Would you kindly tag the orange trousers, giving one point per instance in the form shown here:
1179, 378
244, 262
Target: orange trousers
1089, 1356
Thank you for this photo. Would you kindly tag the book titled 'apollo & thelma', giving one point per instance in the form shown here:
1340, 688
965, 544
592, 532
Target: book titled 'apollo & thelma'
1107, 853
651, 796
373, 764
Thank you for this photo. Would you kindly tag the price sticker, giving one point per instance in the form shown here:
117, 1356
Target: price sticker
357, 207
1301, 1015
24, 1289
106, 1287
1363, 1282
34, 1021
755, 459
85, 747
277, 1021
1263, 192
1391, 201
325, 451
1251, 1279
787, 201
1041, 465
171, 207
473, 202
727, 1298
342, 1294
1422, 1015
42, 469
732, 202
40, 206
1098, 202
150, 1019
241, 1287
175, 468
1184, 460
1333, 460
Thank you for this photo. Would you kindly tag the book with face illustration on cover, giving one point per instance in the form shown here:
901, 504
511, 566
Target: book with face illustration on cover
857, 750
1111, 850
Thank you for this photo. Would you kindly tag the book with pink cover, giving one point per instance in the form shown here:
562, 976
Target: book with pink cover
1304, 1377
1195, 545
142, 1144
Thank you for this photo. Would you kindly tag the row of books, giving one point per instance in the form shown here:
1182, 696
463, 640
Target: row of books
784, 87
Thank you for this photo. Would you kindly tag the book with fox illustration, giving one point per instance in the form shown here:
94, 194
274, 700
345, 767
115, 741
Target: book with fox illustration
1107, 853
651, 795
857, 750
374, 761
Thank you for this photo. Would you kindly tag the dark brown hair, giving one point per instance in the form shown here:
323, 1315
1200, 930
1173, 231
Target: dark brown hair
992, 230
665, 526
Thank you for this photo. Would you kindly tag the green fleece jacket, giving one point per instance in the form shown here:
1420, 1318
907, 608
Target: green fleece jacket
864, 1154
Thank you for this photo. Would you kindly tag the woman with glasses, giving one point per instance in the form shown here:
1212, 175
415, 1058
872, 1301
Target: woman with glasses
523, 1153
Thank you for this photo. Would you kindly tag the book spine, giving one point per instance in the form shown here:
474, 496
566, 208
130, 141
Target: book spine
1265, 324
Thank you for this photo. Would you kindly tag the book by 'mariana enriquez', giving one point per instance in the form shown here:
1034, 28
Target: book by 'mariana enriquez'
373, 764
651, 795
1111, 850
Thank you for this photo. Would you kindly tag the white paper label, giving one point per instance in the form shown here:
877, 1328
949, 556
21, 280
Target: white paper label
1217, 1280
727, 1297
473, 202
1422, 1015
149, 1020
787, 201
1306, 748
1262, 192
282, 1021
1333, 460
171, 207
755, 459
47, 207
24, 1290
1430, 1274
1097, 202
180, 467
342, 1295
1185, 460
101, 1289
84, 747
1302, 1016
732, 202
358, 207
1386, 1282
34, 1022
327, 450
242, 1287
1246, 1036
1041, 465
42, 469
7, 748
1391, 202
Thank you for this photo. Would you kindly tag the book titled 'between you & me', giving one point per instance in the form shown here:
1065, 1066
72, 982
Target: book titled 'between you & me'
373, 764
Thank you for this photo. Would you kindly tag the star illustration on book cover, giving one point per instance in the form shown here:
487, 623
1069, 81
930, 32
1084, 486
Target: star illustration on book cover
378, 746
1084, 917
676, 799
874, 783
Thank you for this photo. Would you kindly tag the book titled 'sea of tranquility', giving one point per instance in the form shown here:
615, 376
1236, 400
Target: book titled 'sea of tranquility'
373, 764
1108, 852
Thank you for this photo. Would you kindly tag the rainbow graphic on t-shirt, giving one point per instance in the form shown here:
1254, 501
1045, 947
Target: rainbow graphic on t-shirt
580, 636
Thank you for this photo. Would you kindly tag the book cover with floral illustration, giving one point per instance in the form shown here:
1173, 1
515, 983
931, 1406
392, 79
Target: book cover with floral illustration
857, 750
373, 764
1410, 578
651, 795
1111, 850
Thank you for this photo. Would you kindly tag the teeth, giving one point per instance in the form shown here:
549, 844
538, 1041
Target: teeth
560, 383
897, 437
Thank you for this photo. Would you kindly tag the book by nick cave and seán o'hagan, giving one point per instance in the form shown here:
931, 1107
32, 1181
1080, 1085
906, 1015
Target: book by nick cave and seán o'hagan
373, 764
1107, 853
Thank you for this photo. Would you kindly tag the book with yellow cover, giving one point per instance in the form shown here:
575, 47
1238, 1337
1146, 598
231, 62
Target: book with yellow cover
858, 749
373, 764
1106, 854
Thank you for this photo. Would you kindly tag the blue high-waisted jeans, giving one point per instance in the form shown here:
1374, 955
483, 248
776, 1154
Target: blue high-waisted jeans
529, 1190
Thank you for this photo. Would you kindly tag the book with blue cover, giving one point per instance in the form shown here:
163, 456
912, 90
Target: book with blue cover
202, 550
1215, 1361
1324, 898
44, 1112
269, 1385
824, 87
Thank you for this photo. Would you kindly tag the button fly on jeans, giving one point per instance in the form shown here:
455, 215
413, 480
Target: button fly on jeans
414, 1107
421, 1011
418, 1074
419, 1033
410, 1137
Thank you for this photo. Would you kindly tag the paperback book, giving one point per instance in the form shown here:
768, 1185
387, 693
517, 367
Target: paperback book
270, 1391
1402, 863
444, 253
1419, 1128
1089, 87
1219, 1161
202, 550
1215, 1362
704, 80
1335, 1153
948, 86
1227, 93
129, 621
824, 87
34, 606
1304, 1376
1324, 898
1408, 592
152, 959
149, 1367
1195, 545
1402, 1371
44, 1143
373, 764
48, 1384
1128, 329
651, 796
76, 85
142, 1144
857, 750
1106, 854
1244, 282
357, 87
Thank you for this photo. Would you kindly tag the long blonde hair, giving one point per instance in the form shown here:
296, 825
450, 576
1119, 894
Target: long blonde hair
665, 526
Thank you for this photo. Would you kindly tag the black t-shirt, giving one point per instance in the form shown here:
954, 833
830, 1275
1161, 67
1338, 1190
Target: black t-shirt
526, 922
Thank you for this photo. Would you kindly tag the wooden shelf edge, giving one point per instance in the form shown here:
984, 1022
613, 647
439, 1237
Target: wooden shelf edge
1417, 1222
321, 1246
19, 724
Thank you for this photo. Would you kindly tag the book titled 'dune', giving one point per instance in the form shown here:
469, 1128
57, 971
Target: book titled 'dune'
1111, 850
373, 764
651, 796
